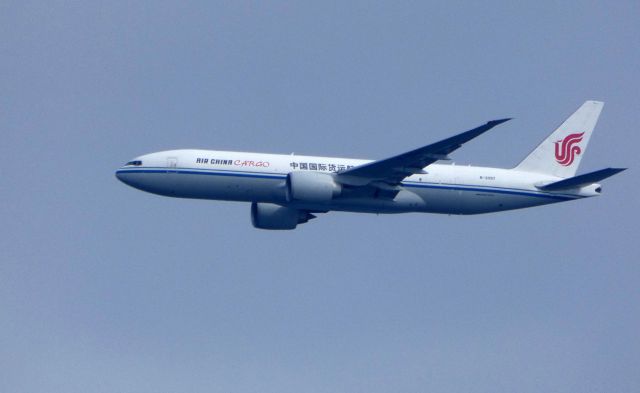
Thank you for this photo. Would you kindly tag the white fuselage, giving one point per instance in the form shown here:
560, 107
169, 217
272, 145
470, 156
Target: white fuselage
255, 177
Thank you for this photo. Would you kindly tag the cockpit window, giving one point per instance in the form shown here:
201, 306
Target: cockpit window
133, 163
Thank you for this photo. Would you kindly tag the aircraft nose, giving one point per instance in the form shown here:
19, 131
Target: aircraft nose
125, 173
123, 177
120, 176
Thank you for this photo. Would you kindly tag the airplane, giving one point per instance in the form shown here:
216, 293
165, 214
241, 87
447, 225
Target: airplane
288, 190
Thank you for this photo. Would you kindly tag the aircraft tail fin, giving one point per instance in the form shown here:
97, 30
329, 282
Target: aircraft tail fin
560, 153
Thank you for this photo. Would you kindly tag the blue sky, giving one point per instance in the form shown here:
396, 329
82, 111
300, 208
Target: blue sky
104, 288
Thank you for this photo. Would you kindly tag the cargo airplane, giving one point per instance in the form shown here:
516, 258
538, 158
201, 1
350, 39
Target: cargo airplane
287, 190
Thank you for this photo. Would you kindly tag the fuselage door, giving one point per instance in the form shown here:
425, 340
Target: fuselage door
172, 164
171, 176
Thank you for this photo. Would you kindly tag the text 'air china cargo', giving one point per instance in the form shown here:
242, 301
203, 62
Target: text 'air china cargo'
287, 190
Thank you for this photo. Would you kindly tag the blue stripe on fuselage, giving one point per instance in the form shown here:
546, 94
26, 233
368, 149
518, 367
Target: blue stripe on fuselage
272, 175
213, 172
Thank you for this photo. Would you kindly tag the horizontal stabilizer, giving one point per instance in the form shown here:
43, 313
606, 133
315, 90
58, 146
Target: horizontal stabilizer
582, 180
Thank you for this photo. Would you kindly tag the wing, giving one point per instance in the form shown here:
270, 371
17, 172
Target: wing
392, 170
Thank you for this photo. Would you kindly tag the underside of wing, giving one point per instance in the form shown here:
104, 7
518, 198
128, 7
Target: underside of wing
391, 171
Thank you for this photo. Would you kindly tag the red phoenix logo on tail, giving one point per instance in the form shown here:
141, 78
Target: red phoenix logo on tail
567, 149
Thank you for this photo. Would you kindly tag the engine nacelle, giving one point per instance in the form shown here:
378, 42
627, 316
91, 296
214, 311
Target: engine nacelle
271, 216
313, 187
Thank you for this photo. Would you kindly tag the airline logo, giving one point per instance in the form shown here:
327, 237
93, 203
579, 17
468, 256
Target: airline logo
567, 149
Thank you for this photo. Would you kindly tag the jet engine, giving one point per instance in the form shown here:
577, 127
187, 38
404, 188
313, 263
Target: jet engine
313, 187
272, 216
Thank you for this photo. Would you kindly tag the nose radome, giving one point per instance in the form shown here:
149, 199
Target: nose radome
124, 175
120, 175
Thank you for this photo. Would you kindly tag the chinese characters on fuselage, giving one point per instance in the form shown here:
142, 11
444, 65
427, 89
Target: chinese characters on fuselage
312, 166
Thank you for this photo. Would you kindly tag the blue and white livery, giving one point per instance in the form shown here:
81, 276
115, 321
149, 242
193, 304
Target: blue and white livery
287, 190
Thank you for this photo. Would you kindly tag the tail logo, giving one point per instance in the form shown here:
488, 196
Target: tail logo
567, 149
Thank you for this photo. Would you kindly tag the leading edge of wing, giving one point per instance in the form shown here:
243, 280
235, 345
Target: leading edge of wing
396, 168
